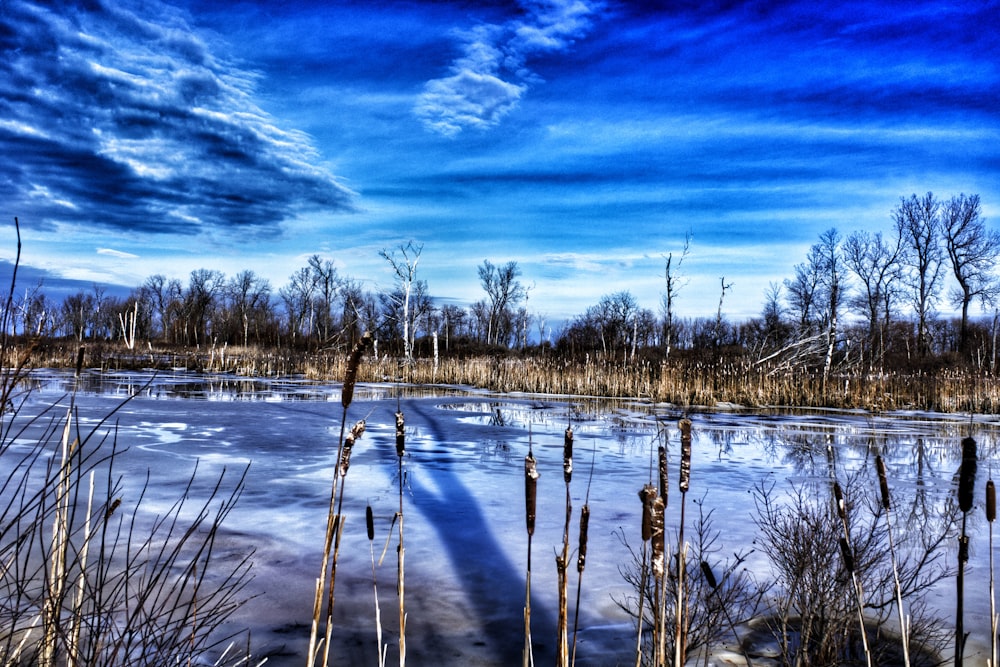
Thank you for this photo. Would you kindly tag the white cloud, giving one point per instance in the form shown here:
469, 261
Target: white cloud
116, 253
488, 79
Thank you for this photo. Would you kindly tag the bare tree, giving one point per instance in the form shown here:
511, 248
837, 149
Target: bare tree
249, 296
403, 261
328, 285
78, 311
718, 334
672, 287
298, 297
919, 226
803, 289
503, 292
973, 250
204, 286
614, 317
875, 262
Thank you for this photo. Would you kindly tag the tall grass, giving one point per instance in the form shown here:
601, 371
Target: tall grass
678, 380
87, 576
335, 519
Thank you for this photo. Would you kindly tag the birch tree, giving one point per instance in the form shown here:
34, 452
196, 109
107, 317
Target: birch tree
404, 260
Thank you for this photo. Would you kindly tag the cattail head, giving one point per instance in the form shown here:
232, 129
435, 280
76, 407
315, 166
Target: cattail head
530, 491
568, 454
79, 360
370, 522
967, 475
706, 570
646, 495
991, 501
345, 456
838, 496
581, 558
685, 481
883, 481
662, 468
845, 552
115, 504
400, 435
351, 376
658, 537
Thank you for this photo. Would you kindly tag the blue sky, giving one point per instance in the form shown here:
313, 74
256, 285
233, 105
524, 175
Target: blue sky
581, 139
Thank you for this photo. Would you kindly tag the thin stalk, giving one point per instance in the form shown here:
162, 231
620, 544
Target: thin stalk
77, 618
581, 553
370, 524
530, 497
400, 569
713, 586
562, 561
646, 495
334, 521
991, 515
685, 481
966, 483
904, 632
847, 553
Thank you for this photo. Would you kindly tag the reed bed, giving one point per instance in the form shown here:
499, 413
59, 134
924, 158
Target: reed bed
680, 381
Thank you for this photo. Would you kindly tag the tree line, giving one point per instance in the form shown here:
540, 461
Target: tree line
867, 297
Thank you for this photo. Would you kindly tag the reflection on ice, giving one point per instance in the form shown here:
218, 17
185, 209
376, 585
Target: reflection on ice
463, 488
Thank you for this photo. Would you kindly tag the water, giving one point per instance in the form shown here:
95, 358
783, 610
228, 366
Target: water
463, 498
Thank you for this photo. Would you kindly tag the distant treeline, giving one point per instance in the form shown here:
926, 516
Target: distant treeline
867, 302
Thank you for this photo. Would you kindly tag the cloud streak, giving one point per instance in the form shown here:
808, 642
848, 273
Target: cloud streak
490, 77
133, 123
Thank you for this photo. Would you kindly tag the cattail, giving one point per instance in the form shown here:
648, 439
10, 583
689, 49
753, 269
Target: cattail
657, 536
883, 482
706, 570
685, 426
991, 501
345, 457
400, 435
662, 467
845, 551
530, 490
646, 495
568, 454
838, 495
370, 522
967, 475
347, 393
115, 504
79, 360
581, 558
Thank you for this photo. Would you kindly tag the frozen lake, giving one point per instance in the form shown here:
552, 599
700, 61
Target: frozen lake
465, 535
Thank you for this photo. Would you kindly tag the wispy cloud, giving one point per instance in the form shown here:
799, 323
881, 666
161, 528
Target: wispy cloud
135, 122
116, 253
490, 76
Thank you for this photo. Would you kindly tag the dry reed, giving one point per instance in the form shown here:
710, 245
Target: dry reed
562, 560
646, 496
680, 631
530, 501
991, 515
847, 553
904, 631
400, 568
966, 489
335, 521
370, 525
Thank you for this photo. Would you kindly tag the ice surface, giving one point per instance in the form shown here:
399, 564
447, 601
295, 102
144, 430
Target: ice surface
465, 539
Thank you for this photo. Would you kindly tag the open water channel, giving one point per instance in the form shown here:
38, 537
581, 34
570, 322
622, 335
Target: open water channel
463, 483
